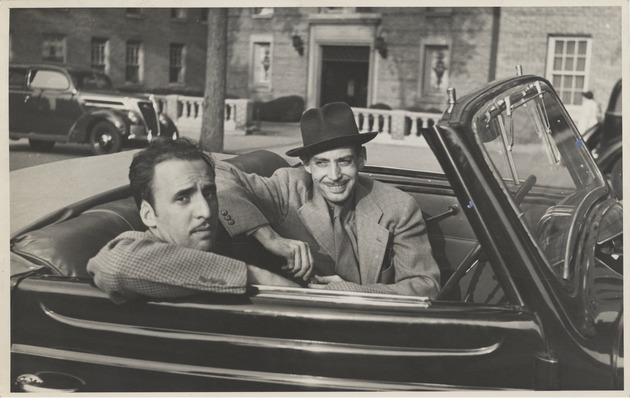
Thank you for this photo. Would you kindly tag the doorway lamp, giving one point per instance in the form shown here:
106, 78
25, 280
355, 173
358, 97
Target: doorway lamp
298, 44
380, 45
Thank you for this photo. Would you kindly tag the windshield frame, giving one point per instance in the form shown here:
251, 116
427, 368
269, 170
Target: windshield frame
506, 102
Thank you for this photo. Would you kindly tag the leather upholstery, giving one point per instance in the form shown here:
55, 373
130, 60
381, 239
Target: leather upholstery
65, 247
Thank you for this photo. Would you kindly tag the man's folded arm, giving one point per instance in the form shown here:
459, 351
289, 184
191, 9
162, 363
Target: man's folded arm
132, 265
251, 201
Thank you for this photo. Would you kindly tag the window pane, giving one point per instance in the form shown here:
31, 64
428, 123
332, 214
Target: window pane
48, 79
17, 76
176, 63
568, 82
582, 47
566, 97
132, 62
559, 47
579, 83
53, 48
557, 63
556, 80
581, 64
570, 47
568, 66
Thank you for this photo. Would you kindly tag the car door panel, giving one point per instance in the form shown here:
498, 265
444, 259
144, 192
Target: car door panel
19, 120
53, 102
275, 338
448, 229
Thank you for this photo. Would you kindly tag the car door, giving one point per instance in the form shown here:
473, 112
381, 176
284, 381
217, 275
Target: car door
19, 121
52, 102
270, 339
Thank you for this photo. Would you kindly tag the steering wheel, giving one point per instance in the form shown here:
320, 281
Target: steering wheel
475, 253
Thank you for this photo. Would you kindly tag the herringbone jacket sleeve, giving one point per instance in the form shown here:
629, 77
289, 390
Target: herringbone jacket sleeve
139, 264
250, 200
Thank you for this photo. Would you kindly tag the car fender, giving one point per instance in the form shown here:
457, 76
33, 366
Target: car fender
167, 124
80, 131
607, 158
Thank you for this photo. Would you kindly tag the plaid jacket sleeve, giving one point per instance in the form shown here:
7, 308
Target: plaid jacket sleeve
139, 264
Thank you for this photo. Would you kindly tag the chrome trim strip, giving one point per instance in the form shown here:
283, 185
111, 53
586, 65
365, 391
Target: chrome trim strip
233, 374
328, 296
320, 347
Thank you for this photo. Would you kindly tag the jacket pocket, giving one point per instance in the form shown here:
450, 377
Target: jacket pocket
387, 275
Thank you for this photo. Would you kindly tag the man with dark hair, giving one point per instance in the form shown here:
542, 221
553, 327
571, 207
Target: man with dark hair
173, 185
349, 231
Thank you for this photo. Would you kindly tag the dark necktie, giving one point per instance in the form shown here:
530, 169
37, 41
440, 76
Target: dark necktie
346, 264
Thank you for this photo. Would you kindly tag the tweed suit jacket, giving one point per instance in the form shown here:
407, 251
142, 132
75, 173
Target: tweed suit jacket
393, 249
140, 264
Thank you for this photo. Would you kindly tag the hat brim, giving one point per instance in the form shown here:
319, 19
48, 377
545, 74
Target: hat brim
356, 139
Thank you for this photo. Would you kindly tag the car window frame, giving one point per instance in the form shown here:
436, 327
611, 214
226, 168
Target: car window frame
33, 74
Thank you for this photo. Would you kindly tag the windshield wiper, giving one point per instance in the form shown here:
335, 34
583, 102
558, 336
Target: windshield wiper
507, 143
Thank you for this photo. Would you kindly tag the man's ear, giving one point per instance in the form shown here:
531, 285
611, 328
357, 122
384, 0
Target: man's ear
362, 157
147, 214
307, 164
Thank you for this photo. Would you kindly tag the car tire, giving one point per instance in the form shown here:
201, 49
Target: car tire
105, 138
616, 178
40, 145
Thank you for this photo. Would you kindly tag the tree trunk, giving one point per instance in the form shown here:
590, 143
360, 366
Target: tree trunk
211, 138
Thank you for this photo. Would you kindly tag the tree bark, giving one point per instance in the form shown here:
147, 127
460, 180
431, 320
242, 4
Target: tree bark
212, 124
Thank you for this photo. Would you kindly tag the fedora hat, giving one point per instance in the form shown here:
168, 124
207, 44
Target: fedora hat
328, 127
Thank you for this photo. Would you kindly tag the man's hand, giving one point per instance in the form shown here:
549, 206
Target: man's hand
323, 281
297, 253
261, 276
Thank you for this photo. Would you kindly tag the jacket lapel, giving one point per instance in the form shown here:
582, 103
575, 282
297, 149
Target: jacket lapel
315, 216
371, 236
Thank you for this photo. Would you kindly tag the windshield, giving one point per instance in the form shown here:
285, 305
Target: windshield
542, 162
88, 80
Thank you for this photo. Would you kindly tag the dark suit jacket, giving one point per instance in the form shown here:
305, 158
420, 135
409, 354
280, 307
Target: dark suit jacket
393, 248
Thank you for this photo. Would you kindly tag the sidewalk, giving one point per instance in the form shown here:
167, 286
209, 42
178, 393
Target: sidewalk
410, 153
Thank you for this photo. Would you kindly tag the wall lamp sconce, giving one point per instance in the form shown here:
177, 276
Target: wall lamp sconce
298, 44
380, 45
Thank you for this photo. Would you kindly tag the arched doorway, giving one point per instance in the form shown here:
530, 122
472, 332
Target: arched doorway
344, 75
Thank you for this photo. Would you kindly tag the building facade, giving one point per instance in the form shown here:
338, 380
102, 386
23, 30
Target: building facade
401, 57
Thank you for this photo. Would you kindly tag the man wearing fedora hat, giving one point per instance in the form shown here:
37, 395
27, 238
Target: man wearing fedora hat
349, 231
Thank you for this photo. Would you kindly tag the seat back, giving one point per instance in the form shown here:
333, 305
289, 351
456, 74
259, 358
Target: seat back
66, 247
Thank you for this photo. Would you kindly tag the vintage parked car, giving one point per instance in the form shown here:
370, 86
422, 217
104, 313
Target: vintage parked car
524, 227
51, 103
604, 141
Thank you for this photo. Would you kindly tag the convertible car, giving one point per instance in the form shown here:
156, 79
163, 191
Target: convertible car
526, 231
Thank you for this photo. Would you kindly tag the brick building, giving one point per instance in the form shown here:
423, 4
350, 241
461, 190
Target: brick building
403, 57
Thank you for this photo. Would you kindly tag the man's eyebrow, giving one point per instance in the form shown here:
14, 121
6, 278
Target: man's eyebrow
185, 192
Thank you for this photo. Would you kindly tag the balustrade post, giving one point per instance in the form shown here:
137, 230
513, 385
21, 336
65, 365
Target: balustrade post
171, 107
398, 124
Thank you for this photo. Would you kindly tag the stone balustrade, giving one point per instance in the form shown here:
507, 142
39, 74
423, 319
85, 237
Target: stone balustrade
186, 112
394, 126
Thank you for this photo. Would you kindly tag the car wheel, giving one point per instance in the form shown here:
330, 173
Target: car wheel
616, 178
105, 138
39, 145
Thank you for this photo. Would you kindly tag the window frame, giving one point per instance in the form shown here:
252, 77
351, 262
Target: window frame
139, 65
98, 66
131, 13
178, 14
181, 67
60, 41
255, 42
563, 73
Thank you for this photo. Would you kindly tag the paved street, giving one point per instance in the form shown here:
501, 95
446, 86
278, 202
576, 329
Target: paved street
275, 137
